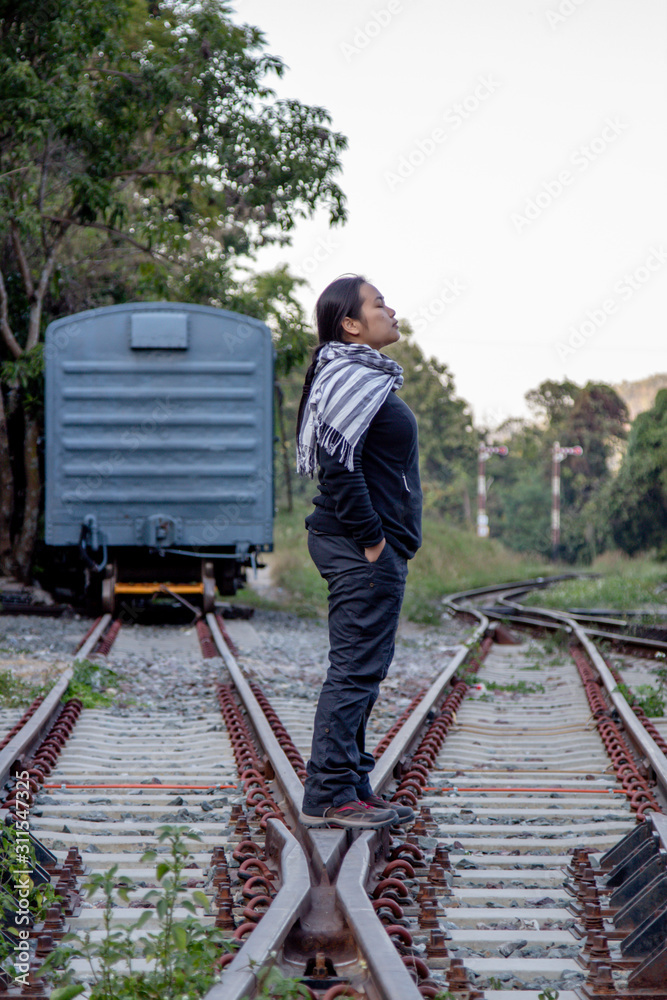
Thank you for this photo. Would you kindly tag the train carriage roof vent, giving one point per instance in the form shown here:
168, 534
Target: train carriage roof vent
159, 331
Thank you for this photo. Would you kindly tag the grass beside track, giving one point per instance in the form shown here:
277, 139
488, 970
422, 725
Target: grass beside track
450, 559
623, 584
17, 692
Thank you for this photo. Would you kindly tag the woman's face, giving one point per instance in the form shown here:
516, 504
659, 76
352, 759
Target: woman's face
377, 327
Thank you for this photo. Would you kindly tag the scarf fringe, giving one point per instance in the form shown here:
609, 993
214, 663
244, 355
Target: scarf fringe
305, 460
330, 393
332, 441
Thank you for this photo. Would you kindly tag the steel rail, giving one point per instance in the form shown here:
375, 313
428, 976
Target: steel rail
514, 590
241, 976
657, 645
40, 722
525, 611
345, 859
325, 849
330, 851
285, 773
271, 931
531, 617
521, 619
639, 736
258, 952
641, 739
402, 741
385, 963
538, 583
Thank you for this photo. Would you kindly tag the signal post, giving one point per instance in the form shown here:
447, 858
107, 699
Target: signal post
558, 454
485, 451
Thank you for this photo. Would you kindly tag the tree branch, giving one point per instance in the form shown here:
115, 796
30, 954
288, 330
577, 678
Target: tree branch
17, 170
44, 278
28, 283
6, 330
42, 185
25, 543
143, 172
7, 565
112, 232
132, 77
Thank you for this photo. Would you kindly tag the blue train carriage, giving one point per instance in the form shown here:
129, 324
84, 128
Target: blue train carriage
159, 450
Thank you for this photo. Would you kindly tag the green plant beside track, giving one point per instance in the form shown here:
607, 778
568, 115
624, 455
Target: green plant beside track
17, 692
181, 953
650, 699
90, 683
519, 687
15, 860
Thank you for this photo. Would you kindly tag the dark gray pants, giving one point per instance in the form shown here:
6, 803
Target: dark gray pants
364, 604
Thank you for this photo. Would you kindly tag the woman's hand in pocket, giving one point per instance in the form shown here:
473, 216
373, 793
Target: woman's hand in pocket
373, 553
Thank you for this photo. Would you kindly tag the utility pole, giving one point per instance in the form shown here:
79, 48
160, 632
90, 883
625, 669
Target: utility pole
557, 456
485, 451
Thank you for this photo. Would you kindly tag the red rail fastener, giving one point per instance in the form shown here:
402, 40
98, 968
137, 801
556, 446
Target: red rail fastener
243, 929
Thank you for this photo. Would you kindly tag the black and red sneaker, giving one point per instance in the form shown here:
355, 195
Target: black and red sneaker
404, 813
354, 815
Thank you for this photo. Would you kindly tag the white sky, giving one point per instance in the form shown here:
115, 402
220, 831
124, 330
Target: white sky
576, 88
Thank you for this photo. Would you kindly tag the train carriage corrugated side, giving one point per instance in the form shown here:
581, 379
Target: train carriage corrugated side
159, 439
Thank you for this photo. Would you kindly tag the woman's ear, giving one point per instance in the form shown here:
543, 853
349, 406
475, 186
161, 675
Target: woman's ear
351, 326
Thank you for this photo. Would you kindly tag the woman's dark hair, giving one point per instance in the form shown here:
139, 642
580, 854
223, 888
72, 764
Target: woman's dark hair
339, 299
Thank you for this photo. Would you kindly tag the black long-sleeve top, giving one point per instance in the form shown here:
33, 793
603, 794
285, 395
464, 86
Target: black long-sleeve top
382, 496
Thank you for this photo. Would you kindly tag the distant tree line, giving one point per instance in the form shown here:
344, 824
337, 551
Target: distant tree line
592, 416
612, 496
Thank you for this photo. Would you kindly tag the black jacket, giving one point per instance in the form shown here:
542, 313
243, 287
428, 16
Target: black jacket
382, 496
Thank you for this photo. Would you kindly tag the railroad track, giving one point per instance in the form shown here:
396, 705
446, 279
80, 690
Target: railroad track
497, 889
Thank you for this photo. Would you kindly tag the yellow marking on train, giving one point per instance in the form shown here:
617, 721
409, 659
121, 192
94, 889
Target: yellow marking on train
153, 588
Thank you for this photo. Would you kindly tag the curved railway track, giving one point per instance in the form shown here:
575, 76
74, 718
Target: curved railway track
526, 768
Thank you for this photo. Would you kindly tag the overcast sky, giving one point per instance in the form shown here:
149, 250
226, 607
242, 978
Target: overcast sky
506, 178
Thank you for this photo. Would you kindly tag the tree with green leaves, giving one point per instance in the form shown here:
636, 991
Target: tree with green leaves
552, 401
142, 155
271, 297
518, 488
637, 499
592, 416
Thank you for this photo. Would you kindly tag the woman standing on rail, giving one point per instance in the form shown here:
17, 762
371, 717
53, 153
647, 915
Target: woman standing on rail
366, 525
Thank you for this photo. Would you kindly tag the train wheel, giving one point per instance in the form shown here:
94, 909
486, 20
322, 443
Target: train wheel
228, 574
109, 589
208, 579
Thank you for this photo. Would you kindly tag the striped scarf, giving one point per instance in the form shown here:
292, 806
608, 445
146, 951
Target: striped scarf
350, 384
